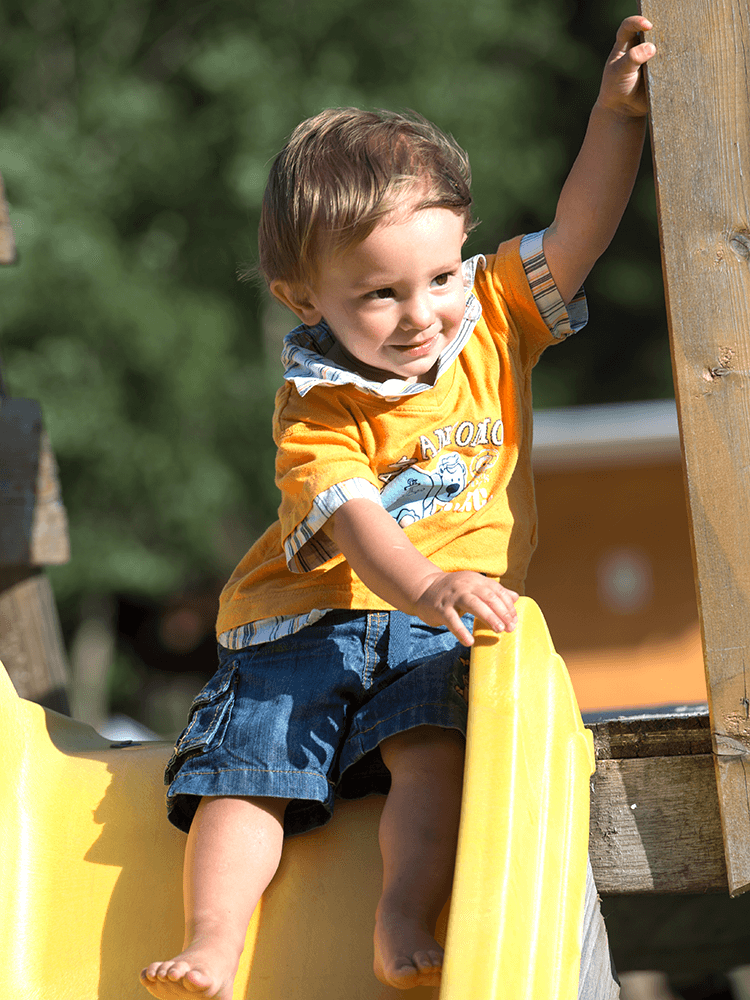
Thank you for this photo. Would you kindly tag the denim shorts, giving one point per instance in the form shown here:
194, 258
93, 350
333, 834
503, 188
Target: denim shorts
302, 717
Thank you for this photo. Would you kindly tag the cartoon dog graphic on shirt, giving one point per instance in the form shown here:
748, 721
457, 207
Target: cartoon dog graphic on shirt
415, 493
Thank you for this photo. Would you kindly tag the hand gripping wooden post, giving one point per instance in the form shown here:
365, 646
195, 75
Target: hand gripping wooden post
700, 112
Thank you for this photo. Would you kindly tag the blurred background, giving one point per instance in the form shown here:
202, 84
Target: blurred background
135, 140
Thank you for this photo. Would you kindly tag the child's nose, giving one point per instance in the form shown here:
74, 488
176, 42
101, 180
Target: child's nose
419, 313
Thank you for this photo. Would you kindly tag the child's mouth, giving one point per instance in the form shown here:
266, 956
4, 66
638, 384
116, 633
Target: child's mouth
417, 350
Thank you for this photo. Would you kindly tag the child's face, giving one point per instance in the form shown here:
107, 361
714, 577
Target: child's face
395, 300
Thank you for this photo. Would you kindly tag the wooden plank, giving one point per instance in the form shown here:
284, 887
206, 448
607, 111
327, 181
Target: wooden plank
7, 242
33, 523
655, 826
701, 146
652, 736
33, 532
31, 643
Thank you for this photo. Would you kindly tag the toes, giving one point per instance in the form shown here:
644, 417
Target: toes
197, 978
157, 970
167, 971
176, 971
428, 960
422, 966
403, 966
183, 977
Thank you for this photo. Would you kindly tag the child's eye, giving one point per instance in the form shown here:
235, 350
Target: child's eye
443, 279
382, 293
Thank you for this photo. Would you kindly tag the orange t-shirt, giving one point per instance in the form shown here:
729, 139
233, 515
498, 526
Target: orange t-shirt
452, 463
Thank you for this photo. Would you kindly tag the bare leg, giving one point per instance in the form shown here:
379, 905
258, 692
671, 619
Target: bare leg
418, 833
232, 853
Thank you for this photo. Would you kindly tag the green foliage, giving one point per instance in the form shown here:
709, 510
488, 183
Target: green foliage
135, 140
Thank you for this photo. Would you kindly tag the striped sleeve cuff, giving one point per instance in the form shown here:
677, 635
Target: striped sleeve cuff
308, 546
562, 320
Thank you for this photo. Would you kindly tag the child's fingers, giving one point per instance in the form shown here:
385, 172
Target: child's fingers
629, 30
623, 88
628, 44
457, 627
454, 594
501, 618
497, 610
641, 53
629, 41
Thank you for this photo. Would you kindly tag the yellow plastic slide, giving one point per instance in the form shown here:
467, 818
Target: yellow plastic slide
518, 892
90, 871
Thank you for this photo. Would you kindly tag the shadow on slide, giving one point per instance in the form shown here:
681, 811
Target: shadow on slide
91, 871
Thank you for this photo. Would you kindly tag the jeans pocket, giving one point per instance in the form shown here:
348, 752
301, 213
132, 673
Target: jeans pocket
208, 718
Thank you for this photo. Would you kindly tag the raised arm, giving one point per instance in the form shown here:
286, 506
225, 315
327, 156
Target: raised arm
381, 555
598, 187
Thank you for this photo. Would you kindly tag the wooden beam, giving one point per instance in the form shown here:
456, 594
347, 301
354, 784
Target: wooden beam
33, 522
678, 735
700, 112
31, 642
33, 533
655, 824
7, 241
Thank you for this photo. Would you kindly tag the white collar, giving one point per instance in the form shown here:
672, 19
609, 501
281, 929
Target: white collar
305, 364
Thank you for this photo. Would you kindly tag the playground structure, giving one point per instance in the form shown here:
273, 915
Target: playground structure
91, 871
686, 776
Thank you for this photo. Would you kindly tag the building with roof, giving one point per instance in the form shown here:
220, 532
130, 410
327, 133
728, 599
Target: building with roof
613, 571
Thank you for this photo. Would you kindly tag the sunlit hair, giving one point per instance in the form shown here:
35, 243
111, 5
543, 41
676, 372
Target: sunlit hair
341, 172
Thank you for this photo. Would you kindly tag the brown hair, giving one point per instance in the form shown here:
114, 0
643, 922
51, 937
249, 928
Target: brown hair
339, 174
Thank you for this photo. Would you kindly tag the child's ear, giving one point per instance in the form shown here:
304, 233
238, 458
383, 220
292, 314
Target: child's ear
298, 299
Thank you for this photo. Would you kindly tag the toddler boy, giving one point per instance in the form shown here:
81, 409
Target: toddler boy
407, 510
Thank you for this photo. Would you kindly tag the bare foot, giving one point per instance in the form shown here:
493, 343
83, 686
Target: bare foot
205, 970
406, 954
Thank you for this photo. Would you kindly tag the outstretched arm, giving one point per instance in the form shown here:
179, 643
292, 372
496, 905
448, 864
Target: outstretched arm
381, 555
598, 187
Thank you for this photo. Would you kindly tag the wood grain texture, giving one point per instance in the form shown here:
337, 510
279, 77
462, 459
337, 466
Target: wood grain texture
33, 523
31, 643
698, 87
651, 736
655, 826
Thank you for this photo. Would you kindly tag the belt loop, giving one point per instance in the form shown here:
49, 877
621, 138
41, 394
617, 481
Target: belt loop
399, 639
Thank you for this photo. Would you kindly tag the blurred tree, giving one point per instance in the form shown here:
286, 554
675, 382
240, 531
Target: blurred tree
134, 142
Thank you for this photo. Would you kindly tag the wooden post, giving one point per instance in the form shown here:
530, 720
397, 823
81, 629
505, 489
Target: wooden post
7, 242
700, 107
33, 533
